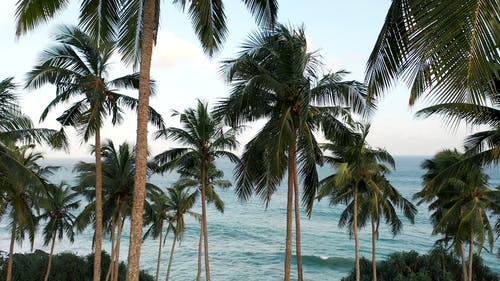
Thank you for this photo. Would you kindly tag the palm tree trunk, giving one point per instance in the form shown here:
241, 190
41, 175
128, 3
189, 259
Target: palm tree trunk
121, 220
134, 253
355, 230
50, 257
464, 266
159, 251
198, 276
374, 250
98, 207
110, 268
289, 206
298, 243
204, 216
471, 254
11, 253
171, 258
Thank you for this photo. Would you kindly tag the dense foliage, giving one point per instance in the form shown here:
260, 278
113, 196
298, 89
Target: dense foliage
65, 267
437, 265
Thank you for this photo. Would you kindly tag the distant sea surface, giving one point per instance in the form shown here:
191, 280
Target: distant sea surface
247, 242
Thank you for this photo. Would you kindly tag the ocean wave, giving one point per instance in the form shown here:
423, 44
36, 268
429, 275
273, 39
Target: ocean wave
326, 261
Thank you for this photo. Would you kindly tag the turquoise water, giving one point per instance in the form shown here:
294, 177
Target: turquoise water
247, 241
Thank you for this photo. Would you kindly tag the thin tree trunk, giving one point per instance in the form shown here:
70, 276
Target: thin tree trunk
98, 207
11, 252
289, 206
374, 250
134, 253
204, 216
355, 230
121, 220
464, 266
471, 255
171, 258
50, 257
298, 240
110, 268
198, 276
159, 251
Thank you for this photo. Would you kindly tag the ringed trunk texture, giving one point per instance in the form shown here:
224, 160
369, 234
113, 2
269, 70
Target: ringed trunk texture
50, 258
116, 266
134, 253
289, 207
374, 250
298, 243
159, 251
471, 255
464, 266
198, 275
355, 230
98, 206
11, 253
110, 268
204, 217
171, 257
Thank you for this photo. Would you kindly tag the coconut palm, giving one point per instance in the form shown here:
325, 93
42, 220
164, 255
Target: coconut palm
77, 66
57, 206
276, 78
356, 181
460, 204
447, 49
204, 139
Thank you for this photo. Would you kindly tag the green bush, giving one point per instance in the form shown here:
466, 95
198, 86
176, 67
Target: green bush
65, 267
437, 265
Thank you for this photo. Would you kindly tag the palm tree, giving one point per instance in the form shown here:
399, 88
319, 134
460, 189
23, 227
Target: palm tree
448, 49
58, 206
204, 139
77, 66
356, 181
276, 78
460, 203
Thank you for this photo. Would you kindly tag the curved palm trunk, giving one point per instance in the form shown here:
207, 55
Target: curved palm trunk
110, 268
159, 251
374, 249
134, 253
116, 263
11, 253
289, 206
471, 254
198, 275
50, 258
355, 230
298, 240
204, 216
464, 266
171, 257
98, 207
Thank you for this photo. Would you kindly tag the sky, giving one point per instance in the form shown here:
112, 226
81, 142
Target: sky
342, 32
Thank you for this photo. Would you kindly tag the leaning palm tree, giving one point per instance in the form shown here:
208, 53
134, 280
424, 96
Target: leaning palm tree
460, 204
57, 206
204, 139
77, 66
136, 24
447, 50
277, 79
358, 168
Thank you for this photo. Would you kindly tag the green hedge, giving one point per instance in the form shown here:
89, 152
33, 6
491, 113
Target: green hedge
65, 267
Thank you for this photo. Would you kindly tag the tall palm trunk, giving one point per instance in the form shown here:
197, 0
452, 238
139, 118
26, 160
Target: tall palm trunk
374, 250
298, 243
159, 251
50, 257
289, 206
134, 253
121, 220
471, 254
204, 216
198, 275
11, 252
171, 257
98, 207
464, 266
355, 230
110, 268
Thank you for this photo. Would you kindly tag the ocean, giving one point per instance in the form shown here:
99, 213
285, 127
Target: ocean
247, 241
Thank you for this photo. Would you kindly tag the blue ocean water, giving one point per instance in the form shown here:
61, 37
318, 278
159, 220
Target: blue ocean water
247, 241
